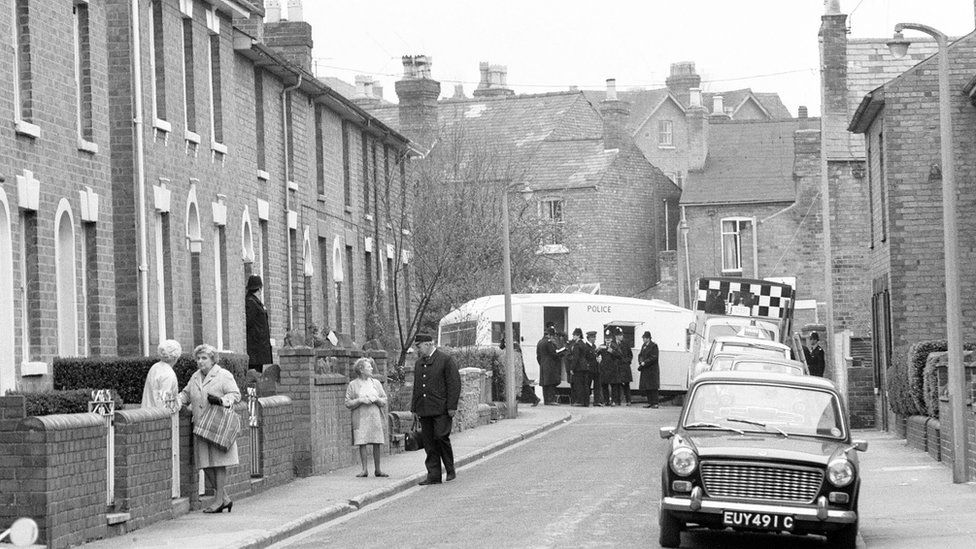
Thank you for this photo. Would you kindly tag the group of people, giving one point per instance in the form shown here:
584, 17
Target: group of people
601, 370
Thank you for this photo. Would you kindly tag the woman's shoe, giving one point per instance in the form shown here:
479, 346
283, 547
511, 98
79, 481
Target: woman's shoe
381, 475
363, 474
229, 505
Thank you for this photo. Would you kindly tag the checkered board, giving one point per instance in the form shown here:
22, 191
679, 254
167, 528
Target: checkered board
774, 300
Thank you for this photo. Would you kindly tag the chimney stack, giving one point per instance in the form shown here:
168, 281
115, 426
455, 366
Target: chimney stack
718, 108
801, 111
418, 94
697, 123
683, 78
459, 92
366, 91
290, 36
494, 81
695, 98
615, 114
272, 11
253, 26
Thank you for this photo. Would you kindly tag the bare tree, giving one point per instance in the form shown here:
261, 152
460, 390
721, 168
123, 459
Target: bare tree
448, 221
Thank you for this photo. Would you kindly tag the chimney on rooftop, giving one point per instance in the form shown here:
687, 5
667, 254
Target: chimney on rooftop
801, 111
291, 37
695, 98
253, 25
683, 78
697, 123
718, 108
615, 114
459, 92
365, 90
272, 11
494, 81
418, 94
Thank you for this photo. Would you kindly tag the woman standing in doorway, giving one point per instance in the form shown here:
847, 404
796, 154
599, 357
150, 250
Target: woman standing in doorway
258, 332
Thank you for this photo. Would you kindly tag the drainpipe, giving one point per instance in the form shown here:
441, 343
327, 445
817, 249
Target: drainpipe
139, 177
755, 248
684, 236
284, 138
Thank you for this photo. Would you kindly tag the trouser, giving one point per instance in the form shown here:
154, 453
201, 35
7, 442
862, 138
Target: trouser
528, 395
581, 388
549, 394
651, 395
436, 434
615, 393
625, 387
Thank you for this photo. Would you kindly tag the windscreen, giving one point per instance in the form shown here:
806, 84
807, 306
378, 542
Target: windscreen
795, 410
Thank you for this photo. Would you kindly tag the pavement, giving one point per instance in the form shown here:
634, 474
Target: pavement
908, 500
284, 511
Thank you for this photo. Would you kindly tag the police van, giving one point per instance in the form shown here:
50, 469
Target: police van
482, 322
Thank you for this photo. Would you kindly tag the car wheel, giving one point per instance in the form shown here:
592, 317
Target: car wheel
845, 538
670, 535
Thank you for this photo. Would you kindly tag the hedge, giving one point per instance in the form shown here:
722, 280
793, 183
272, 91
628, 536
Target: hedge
487, 358
918, 353
930, 378
74, 401
127, 375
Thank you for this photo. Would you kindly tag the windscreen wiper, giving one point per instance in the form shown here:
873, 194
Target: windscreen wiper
705, 425
757, 423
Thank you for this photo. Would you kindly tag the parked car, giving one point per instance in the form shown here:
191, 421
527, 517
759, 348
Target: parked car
761, 452
739, 345
762, 365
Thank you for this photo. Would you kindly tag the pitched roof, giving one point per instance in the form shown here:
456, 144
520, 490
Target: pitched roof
748, 162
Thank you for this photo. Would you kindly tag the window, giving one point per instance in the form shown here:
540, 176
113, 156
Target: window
390, 289
189, 98
375, 190
157, 61
366, 191
20, 41
290, 135
319, 152
216, 103
30, 286
65, 273
324, 278
882, 190
351, 291
83, 72
498, 332
872, 174
259, 115
732, 244
459, 334
665, 133
265, 261
220, 286
552, 214
677, 178
386, 179
8, 378
346, 183
163, 275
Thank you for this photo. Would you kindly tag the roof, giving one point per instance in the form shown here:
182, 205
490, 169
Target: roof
754, 341
748, 162
494, 301
814, 382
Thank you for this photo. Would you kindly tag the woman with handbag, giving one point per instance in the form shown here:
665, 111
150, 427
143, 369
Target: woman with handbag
210, 393
367, 400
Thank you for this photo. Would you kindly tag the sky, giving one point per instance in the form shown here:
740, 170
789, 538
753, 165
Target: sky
550, 45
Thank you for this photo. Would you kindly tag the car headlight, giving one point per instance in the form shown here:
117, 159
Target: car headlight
683, 461
840, 472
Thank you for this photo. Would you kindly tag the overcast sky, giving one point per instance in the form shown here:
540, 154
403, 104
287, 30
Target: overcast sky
768, 45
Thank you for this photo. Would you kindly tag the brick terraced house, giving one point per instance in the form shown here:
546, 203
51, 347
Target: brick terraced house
611, 209
134, 213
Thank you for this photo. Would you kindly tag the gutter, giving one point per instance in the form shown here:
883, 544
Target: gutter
139, 178
284, 138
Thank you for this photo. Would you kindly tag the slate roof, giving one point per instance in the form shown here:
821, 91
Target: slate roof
748, 162
558, 137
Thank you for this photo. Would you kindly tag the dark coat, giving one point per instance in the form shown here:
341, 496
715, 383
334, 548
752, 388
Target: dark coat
589, 358
816, 361
649, 367
436, 385
608, 364
549, 363
258, 332
575, 356
624, 355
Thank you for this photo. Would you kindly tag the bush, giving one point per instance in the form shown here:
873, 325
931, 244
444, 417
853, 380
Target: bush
487, 358
127, 375
74, 401
931, 385
918, 354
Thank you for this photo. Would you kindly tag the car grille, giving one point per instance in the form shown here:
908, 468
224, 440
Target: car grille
761, 482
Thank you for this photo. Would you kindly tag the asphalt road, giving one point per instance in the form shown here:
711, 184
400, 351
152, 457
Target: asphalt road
594, 482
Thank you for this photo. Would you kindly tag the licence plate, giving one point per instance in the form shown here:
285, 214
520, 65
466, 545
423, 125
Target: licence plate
757, 521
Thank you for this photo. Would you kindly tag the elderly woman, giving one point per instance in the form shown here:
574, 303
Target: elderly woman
366, 398
161, 384
211, 385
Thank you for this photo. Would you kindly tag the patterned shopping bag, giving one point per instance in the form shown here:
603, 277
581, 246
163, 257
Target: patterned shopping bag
218, 425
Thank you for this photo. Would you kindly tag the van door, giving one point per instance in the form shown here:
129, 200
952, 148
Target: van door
532, 324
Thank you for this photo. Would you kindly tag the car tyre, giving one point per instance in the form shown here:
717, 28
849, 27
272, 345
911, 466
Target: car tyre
845, 538
670, 535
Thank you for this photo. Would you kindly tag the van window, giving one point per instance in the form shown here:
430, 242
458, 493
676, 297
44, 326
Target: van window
498, 332
460, 334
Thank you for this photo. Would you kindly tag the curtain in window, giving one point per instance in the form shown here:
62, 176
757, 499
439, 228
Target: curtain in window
731, 260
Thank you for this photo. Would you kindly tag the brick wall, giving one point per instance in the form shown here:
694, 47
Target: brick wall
277, 440
239, 476
143, 465
862, 404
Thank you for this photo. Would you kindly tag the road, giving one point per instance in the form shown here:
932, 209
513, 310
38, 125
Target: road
594, 482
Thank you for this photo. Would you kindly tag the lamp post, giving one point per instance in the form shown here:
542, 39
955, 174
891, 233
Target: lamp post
507, 277
683, 228
957, 378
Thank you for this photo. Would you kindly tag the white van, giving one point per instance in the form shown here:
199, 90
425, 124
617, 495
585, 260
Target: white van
482, 322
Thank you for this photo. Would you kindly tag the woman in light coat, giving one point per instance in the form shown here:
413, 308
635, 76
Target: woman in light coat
161, 384
211, 385
367, 400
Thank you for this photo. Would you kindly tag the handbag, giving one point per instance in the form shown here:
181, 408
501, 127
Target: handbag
413, 442
219, 426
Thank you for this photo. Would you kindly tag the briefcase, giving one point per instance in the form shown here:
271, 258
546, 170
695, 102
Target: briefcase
413, 442
219, 426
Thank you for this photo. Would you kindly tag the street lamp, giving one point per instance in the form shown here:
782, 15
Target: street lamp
898, 46
683, 229
511, 413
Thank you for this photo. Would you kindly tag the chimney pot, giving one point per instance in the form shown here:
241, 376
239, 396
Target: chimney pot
718, 106
695, 97
801, 112
459, 91
295, 10
272, 12
832, 7
611, 89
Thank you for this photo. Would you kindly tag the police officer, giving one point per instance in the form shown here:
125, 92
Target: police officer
608, 369
622, 355
549, 366
576, 366
436, 391
589, 371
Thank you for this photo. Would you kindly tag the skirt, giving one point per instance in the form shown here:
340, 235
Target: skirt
207, 455
367, 425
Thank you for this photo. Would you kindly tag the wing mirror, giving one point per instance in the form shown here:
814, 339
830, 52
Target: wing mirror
666, 432
22, 532
860, 445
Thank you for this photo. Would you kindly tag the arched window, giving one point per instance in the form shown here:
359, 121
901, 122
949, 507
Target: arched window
65, 269
8, 379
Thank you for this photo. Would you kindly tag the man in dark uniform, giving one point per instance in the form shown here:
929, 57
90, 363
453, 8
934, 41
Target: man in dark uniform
816, 360
549, 367
592, 371
436, 390
622, 355
576, 366
650, 371
608, 370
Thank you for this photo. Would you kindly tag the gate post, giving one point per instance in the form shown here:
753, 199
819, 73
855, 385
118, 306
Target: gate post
103, 405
